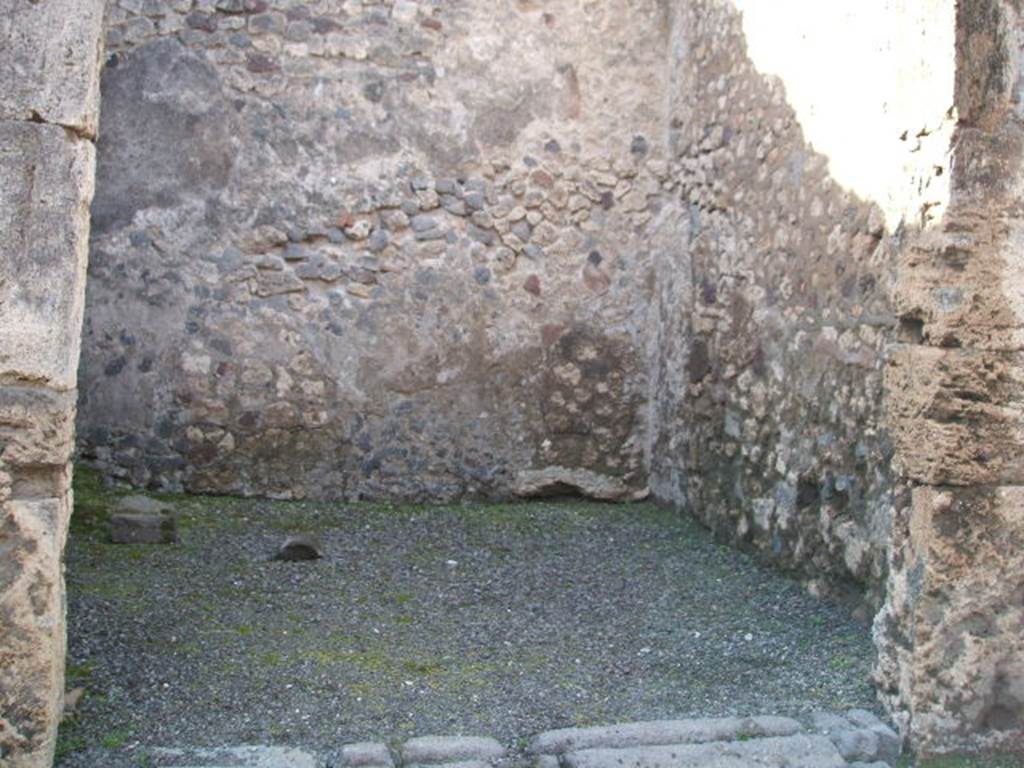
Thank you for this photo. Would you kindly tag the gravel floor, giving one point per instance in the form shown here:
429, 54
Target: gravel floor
498, 620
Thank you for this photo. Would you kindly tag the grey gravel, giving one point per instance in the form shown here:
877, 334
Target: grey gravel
503, 620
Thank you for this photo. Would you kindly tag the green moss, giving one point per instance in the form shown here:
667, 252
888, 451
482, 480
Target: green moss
92, 504
70, 739
115, 739
269, 659
78, 673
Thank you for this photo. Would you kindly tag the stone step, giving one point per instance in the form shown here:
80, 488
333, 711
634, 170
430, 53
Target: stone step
236, 757
437, 750
799, 751
654, 733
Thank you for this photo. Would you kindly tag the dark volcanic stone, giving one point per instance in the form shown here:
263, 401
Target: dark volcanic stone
297, 548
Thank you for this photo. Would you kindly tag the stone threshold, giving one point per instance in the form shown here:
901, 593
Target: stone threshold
854, 739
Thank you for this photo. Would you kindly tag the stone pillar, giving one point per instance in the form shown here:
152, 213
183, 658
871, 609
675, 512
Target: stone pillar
951, 637
49, 92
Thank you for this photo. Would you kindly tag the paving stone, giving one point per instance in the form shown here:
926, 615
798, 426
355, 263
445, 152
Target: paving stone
800, 751
889, 742
240, 757
450, 749
662, 732
860, 744
455, 764
366, 755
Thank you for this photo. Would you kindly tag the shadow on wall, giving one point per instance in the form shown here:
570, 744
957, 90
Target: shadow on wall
798, 170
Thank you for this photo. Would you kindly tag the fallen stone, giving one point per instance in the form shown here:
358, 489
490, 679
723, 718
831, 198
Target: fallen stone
450, 749
366, 755
129, 528
890, 745
800, 751
296, 548
860, 744
142, 505
661, 732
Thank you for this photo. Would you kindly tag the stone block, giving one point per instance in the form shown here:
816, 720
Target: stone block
134, 528
660, 732
451, 749
50, 62
366, 755
239, 757
800, 751
32, 628
955, 591
957, 415
46, 185
36, 425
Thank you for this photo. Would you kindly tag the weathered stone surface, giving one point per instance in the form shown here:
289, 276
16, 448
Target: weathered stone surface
31, 625
768, 350
49, 72
662, 732
240, 757
50, 66
136, 528
951, 635
959, 416
36, 426
450, 749
366, 755
46, 183
798, 751
307, 276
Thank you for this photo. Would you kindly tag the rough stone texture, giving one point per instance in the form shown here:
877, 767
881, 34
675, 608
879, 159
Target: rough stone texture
448, 749
47, 182
773, 318
49, 64
662, 732
237, 757
423, 250
366, 755
799, 751
949, 637
384, 250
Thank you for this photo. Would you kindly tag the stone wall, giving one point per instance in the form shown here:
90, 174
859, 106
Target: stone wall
427, 250
769, 417
375, 249
951, 637
49, 76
